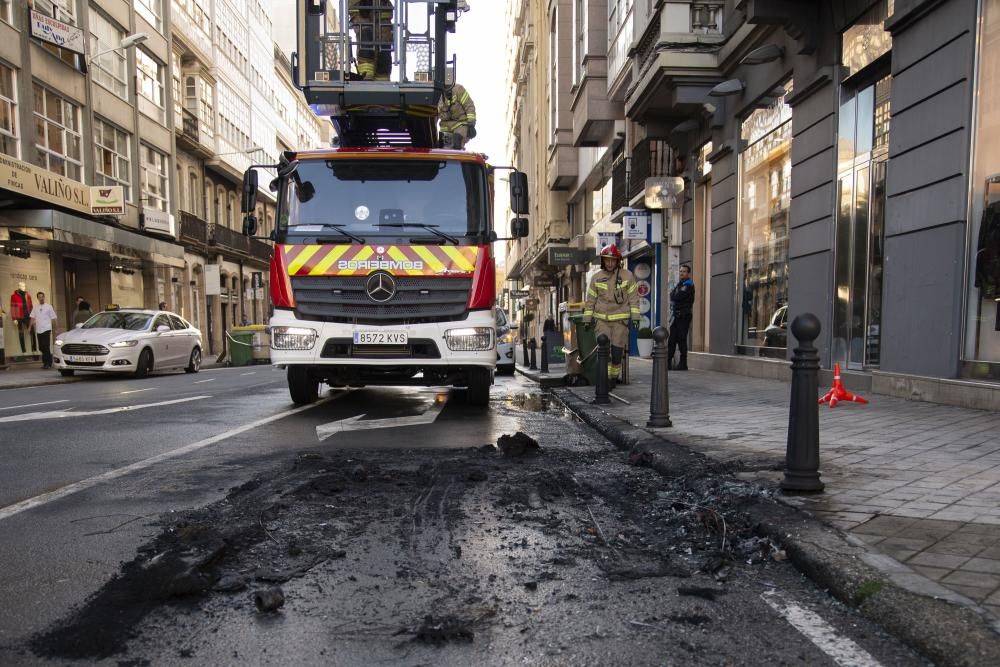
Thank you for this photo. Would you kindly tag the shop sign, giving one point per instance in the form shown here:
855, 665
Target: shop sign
544, 280
56, 32
606, 239
519, 293
257, 279
29, 180
567, 256
155, 220
634, 224
767, 119
212, 277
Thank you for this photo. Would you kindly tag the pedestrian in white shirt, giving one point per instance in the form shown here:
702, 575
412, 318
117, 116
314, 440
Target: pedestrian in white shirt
44, 315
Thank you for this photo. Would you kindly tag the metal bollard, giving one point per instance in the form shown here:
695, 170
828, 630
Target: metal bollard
533, 346
802, 456
659, 398
603, 356
545, 353
524, 349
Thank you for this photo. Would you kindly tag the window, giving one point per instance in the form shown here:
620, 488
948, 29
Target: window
175, 65
193, 192
195, 12
209, 205
109, 67
8, 112
111, 156
198, 95
60, 10
155, 187
580, 28
57, 134
5, 10
150, 81
152, 11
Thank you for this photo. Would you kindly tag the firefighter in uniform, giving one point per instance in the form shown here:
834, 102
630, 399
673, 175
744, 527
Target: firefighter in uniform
681, 303
372, 24
457, 112
612, 301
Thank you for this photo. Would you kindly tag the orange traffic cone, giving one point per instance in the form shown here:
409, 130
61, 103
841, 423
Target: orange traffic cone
838, 393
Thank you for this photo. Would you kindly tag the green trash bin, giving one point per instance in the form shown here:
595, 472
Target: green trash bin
581, 356
240, 347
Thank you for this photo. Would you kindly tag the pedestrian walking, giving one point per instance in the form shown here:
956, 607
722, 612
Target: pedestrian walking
681, 303
83, 311
43, 316
612, 302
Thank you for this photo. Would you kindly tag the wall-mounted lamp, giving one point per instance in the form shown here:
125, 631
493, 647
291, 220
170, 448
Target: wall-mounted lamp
764, 54
726, 88
125, 44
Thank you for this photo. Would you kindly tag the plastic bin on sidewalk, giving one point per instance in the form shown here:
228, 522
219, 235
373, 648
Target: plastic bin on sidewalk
581, 362
261, 341
240, 347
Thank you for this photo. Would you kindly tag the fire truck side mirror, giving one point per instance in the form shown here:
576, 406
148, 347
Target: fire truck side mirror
249, 202
519, 228
317, 7
519, 193
250, 225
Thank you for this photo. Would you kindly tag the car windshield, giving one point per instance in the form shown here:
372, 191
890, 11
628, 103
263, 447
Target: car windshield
385, 198
113, 320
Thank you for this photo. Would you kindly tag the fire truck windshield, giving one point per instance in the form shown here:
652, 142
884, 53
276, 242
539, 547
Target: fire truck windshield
434, 200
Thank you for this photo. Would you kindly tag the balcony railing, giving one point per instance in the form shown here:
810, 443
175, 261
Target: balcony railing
193, 229
260, 250
650, 157
231, 240
619, 183
646, 49
190, 125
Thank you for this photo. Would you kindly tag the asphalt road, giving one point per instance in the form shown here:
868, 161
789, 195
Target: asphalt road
101, 476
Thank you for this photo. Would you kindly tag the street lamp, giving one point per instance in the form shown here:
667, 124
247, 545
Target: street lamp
245, 151
126, 43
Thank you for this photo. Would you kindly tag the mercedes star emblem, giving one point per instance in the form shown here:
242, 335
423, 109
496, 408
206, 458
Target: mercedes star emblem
380, 287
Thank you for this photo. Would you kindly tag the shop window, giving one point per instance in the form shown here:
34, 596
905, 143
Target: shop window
111, 153
8, 112
982, 328
152, 101
108, 67
152, 11
765, 178
155, 187
57, 134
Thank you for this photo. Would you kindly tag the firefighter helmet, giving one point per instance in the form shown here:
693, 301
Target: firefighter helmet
611, 250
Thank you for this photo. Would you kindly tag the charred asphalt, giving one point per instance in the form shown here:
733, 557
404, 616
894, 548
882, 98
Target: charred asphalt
423, 532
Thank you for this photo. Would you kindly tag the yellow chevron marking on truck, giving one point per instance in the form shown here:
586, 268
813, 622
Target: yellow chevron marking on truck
425, 254
459, 258
331, 257
302, 258
399, 256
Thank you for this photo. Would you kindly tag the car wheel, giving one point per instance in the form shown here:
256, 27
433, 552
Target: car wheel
194, 364
66, 373
478, 381
145, 364
303, 388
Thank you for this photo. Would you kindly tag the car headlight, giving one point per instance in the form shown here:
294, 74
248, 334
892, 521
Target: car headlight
292, 338
124, 343
506, 338
470, 339
59, 342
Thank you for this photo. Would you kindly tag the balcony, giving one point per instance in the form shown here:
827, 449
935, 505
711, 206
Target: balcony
226, 239
192, 136
260, 251
619, 184
194, 231
650, 157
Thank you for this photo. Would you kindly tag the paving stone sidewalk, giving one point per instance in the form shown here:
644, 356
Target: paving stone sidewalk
920, 482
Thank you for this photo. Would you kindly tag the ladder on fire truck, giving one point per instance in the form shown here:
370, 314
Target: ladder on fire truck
399, 112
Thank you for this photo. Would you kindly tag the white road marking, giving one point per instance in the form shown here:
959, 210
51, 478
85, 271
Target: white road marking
107, 411
136, 391
204, 381
31, 405
250, 373
356, 423
45, 498
841, 650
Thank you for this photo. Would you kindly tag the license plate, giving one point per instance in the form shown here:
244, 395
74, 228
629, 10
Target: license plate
73, 358
380, 338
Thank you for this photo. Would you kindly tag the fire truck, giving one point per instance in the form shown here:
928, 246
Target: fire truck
382, 271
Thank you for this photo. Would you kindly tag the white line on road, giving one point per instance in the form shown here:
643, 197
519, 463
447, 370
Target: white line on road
842, 650
136, 391
37, 501
356, 423
107, 411
250, 373
31, 405
204, 381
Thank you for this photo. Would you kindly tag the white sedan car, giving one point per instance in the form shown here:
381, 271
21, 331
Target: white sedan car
505, 345
129, 341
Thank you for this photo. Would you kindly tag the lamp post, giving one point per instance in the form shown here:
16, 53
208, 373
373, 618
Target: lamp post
126, 43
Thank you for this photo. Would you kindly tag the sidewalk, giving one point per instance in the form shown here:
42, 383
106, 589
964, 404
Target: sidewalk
919, 482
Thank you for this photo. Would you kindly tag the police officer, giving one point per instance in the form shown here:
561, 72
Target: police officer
681, 302
457, 112
613, 301
372, 24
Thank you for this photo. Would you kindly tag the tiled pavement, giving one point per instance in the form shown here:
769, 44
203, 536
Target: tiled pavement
920, 482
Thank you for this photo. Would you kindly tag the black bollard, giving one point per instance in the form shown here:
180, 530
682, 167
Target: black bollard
524, 349
533, 345
802, 457
545, 353
601, 385
659, 398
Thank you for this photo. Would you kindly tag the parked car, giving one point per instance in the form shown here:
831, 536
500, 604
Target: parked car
776, 332
505, 344
129, 340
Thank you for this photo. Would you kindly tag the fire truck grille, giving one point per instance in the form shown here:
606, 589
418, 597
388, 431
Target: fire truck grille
345, 299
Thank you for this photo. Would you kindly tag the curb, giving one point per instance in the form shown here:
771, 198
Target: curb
948, 633
543, 382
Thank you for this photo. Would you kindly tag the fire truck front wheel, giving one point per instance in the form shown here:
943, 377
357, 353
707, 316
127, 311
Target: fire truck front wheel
478, 381
303, 387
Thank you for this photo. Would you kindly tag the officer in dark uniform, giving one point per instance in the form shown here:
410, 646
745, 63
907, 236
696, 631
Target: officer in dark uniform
681, 302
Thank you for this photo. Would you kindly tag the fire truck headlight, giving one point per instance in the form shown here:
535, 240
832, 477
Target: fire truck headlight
292, 338
470, 339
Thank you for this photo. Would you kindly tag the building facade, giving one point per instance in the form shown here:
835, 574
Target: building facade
166, 123
836, 159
